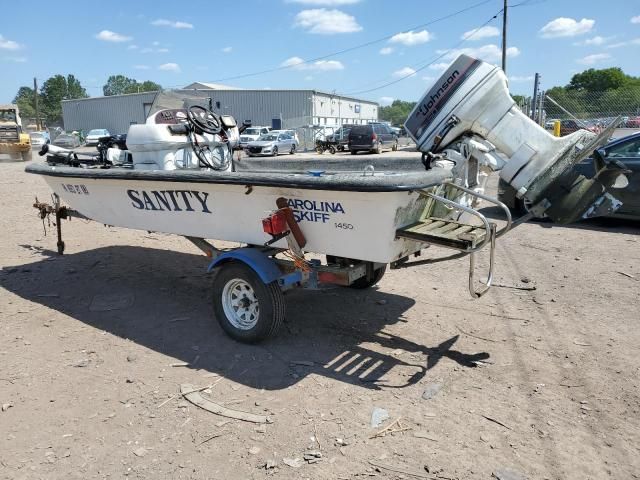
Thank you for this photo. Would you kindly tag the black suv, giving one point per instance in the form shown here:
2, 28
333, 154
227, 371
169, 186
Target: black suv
373, 137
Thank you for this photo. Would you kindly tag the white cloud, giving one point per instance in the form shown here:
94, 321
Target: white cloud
6, 44
386, 51
635, 41
16, 59
308, 78
325, 3
566, 27
109, 36
162, 22
524, 78
132, 47
298, 63
635, 19
429, 79
593, 59
489, 53
227, 49
595, 41
154, 49
480, 33
385, 101
155, 44
404, 72
141, 67
170, 67
439, 66
411, 38
326, 22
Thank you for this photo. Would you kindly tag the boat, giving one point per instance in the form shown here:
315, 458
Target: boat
179, 176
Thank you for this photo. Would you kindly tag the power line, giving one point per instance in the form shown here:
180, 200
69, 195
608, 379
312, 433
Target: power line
350, 49
439, 57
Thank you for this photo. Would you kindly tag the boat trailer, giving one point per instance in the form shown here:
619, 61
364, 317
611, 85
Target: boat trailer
249, 282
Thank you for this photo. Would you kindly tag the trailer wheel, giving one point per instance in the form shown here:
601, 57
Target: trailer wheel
247, 309
364, 282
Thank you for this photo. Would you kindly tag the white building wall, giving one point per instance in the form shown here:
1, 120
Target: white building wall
333, 110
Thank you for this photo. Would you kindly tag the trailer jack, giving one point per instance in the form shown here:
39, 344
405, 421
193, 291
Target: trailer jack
60, 212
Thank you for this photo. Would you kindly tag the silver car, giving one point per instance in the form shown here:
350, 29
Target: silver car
272, 144
94, 135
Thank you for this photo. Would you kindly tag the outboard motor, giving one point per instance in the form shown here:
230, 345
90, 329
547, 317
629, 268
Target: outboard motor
469, 114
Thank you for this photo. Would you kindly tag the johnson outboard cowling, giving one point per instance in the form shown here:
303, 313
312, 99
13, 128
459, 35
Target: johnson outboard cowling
471, 104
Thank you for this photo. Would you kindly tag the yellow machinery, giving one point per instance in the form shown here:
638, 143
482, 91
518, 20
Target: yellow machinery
13, 141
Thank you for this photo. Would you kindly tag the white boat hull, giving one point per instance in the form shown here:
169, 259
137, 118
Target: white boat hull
352, 224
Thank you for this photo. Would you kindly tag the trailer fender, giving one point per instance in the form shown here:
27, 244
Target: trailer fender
260, 263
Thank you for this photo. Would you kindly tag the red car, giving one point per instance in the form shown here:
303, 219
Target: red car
633, 122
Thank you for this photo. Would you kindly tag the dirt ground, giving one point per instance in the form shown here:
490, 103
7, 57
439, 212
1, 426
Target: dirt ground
522, 383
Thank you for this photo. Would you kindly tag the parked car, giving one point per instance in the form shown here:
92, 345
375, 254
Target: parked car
374, 138
633, 122
38, 139
94, 136
625, 150
119, 141
340, 137
569, 126
67, 140
293, 134
251, 134
272, 144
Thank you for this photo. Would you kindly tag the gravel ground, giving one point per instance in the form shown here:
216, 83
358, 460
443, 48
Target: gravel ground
522, 383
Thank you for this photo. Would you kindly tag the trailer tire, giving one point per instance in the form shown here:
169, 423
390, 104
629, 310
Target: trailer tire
319, 150
260, 311
364, 282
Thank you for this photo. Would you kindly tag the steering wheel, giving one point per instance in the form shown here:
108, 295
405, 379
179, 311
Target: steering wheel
203, 119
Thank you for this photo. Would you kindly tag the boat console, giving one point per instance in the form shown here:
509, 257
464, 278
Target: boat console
183, 138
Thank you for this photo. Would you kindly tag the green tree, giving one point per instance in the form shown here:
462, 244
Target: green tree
148, 86
397, 112
25, 99
56, 89
119, 84
593, 80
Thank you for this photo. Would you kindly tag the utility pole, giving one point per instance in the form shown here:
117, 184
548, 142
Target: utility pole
534, 100
504, 37
35, 96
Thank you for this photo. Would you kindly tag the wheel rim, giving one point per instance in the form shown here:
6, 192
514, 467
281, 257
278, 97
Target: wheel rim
240, 304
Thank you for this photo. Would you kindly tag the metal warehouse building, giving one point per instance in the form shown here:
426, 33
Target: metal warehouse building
311, 111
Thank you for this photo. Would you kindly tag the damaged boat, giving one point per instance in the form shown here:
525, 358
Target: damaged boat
179, 176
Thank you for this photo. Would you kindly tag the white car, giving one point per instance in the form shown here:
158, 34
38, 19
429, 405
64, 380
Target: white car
38, 139
272, 144
94, 135
251, 134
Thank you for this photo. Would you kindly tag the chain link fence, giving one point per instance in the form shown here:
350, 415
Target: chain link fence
591, 110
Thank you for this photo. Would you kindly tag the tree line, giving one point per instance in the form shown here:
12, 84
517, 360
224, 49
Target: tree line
61, 87
589, 94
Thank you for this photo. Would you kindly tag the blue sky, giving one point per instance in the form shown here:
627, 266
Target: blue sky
176, 43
